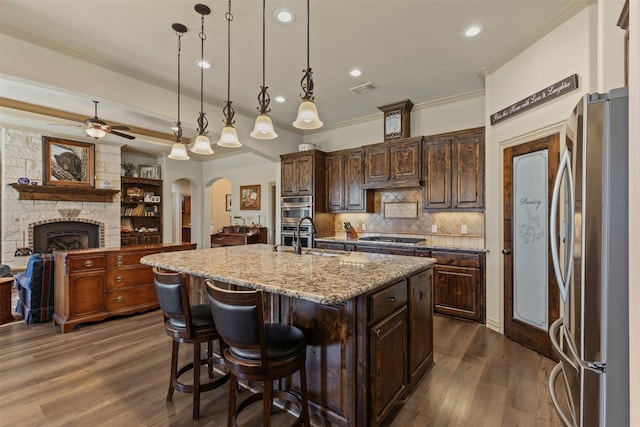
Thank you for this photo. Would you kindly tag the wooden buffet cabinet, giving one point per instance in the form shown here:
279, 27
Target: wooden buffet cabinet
94, 284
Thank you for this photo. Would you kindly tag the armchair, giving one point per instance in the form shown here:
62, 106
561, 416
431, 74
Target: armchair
35, 289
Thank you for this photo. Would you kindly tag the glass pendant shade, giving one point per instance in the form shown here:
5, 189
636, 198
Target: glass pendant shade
263, 128
202, 145
229, 138
95, 132
178, 152
307, 116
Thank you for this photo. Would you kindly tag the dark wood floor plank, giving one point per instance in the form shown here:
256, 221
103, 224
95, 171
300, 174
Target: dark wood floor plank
116, 372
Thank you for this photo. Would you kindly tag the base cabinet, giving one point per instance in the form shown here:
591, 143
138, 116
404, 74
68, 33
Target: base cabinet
94, 284
360, 352
458, 285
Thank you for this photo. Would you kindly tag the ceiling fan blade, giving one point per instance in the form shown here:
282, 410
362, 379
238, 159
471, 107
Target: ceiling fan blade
124, 135
119, 127
62, 124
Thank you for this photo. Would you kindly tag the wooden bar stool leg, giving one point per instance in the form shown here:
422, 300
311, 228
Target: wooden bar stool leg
174, 369
196, 381
305, 397
233, 393
210, 358
267, 401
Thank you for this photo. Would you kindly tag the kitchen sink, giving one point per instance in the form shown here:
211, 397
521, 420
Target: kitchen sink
327, 254
388, 239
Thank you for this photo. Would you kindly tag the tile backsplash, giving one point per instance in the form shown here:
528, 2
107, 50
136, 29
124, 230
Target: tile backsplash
449, 224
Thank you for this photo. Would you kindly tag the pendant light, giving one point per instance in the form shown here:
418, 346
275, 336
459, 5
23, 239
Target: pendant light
263, 128
178, 150
229, 136
202, 145
307, 112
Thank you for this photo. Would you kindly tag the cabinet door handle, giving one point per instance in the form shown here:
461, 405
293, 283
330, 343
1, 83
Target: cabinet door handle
391, 298
119, 299
119, 264
119, 279
377, 332
88, 263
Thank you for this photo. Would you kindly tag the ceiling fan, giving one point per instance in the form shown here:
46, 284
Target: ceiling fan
97, 128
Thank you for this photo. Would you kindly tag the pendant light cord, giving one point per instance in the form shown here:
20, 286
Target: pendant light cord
308, 20
263, 43
229, 17
202, 38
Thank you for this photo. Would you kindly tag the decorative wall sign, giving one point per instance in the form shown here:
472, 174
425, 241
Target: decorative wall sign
540, 97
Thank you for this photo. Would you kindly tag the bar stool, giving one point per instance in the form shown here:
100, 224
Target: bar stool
192, 325
258, 351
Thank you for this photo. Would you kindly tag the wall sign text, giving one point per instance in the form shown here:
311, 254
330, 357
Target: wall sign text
540, 97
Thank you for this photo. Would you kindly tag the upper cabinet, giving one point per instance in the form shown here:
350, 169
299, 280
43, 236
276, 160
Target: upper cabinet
345, 178
303, 174
393, 164
453, 169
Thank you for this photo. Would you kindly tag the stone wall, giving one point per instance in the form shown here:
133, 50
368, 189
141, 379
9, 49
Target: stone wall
22, 156
449, 224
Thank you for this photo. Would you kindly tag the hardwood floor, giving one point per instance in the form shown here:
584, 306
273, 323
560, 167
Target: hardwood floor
115, 373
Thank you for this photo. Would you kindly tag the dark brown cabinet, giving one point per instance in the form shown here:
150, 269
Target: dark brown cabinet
393, 164
420, 330
388, 370
345, 178
453, 170
140, 211
458, 285
303, 174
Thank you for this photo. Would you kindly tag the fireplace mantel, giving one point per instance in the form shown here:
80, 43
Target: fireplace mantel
64, 193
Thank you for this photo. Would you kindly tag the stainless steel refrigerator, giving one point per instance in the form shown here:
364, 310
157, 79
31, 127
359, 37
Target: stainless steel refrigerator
589, 246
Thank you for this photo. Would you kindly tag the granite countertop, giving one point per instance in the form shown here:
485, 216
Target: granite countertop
320, 276
420, 245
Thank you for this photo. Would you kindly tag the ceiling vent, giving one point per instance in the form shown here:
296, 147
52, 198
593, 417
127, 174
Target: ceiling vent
363, 88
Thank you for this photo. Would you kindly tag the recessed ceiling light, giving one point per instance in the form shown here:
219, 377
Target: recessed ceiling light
284, 16
280, 98
355, 72
472, 31
203, 64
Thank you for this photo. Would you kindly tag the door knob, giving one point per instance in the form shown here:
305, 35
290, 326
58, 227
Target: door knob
506, 251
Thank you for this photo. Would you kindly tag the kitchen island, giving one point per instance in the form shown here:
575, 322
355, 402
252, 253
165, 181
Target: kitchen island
368, 319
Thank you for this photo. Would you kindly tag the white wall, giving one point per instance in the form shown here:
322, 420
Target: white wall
456, 113
219, 214
244, 169
634, 208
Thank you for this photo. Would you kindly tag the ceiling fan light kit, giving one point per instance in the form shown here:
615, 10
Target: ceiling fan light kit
308, 117
95, 132
263, 128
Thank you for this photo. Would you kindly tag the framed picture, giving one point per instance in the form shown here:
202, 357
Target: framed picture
148, 196
250, 197
69, 163
228, 206
149, 171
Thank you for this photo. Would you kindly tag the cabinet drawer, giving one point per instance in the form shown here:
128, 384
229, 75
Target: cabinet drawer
86, 263
125, 299
386, 250
120, 259
129, 277
456, 259
386, 301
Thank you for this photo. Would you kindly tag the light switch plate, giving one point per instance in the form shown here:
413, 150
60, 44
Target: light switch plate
463, 229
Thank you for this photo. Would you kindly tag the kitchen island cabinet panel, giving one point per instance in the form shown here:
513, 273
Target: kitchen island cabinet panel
420, 320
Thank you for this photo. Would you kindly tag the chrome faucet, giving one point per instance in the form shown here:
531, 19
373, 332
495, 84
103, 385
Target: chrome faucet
297, 244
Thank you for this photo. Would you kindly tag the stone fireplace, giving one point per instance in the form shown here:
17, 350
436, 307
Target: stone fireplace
64, 224
65, 233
